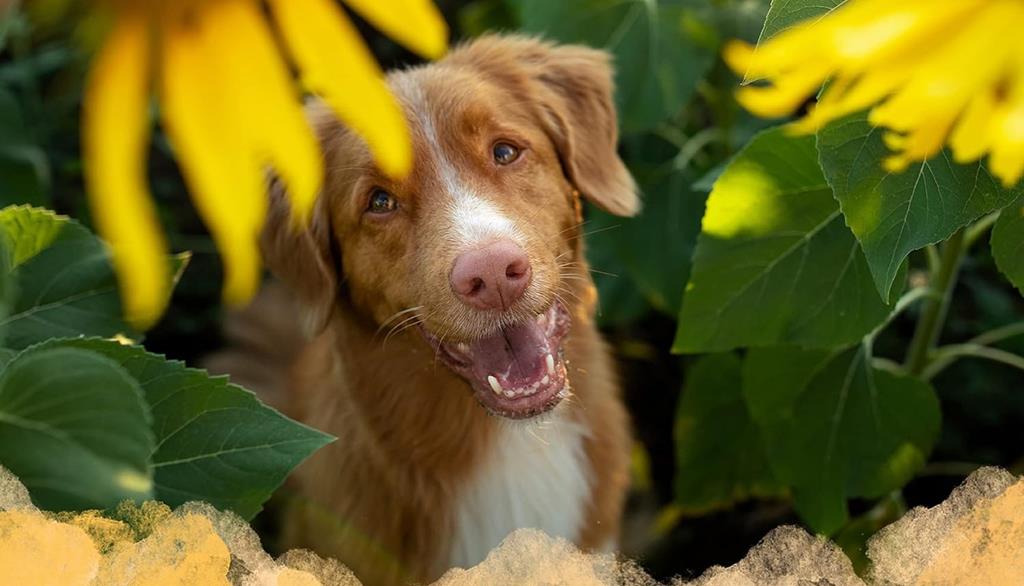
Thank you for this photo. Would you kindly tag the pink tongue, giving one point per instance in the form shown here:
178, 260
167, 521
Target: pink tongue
515, 355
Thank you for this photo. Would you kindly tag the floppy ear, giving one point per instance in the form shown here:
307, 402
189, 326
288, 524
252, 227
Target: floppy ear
572, 86
303, 257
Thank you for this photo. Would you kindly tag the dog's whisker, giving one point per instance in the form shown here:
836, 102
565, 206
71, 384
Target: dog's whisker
395, 316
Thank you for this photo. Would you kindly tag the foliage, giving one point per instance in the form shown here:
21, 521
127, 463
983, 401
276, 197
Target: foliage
844, 336
86, 422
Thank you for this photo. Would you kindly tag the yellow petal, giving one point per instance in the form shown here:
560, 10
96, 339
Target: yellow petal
115, 134
225, 181
972, 136
785, 95
1007, 158
255, 80
336, 65
417, 24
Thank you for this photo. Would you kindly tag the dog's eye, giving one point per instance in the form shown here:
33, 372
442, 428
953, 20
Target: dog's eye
381, 202
505, 153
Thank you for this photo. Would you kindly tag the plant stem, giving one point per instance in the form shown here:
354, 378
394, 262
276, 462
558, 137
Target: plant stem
934, 313
948, 354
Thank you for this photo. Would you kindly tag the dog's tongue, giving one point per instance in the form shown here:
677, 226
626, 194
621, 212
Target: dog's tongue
514, 355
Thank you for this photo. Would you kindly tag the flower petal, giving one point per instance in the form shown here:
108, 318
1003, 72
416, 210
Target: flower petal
335, 64
225, 180
255, 79
417, 24
115, 134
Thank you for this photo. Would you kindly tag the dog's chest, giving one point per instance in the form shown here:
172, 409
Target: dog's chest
537, 476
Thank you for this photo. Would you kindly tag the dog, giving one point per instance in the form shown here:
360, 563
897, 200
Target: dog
452, 347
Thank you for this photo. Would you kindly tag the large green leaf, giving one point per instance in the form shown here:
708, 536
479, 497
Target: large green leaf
1008, 243
783, 14
65, 282
658, 64
214, 440
774, 263
893, 214
720, 456
836, 427
75, 429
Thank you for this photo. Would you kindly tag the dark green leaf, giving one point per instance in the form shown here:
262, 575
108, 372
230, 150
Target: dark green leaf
75, 429
1008, 243
893, 215
835, 427
720, 457
774, 263
215, 441
658, 63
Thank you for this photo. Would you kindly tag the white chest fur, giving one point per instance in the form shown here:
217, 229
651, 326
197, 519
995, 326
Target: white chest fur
537, 475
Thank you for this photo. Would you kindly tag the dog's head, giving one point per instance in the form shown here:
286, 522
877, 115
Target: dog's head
478, 246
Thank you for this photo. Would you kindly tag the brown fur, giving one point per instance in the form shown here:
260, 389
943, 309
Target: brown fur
409, 430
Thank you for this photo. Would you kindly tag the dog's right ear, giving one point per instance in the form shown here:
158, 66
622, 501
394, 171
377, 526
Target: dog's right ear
301, 257
304, 257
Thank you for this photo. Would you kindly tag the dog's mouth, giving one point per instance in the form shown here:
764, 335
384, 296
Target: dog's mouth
517, 372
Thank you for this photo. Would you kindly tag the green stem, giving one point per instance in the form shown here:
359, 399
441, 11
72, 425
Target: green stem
980, 228
934, 313
948, 354
999, 334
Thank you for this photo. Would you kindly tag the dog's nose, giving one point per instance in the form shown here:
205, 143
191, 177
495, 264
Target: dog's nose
492, 276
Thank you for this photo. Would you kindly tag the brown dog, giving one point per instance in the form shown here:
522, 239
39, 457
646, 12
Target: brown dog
455, 355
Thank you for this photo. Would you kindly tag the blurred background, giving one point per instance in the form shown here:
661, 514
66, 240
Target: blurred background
680, 125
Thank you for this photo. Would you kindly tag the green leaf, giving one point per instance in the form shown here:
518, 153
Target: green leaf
893, 215
658, 63
774, 263
1008, 243
835, 427
65, 282
75, 429
214, 440
720, 457
24, 167
783, 14
652, 250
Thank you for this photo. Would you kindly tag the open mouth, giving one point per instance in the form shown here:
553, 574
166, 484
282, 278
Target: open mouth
517, 372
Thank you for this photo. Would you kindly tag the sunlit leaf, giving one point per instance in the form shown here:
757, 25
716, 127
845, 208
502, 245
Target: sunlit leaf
774, 263
65, 283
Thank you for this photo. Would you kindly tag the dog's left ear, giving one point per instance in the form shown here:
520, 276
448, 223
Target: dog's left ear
572, 86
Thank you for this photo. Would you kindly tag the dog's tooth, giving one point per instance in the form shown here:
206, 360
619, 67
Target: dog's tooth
550, 360
494, 384
545, 380
462, 347
510, 393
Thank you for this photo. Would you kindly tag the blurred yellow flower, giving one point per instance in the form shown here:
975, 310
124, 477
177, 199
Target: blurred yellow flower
231, 109
935, 71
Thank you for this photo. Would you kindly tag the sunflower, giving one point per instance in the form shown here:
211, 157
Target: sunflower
933, 72
231, 109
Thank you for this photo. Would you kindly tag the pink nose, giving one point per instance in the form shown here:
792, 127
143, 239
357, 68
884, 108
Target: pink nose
492, 276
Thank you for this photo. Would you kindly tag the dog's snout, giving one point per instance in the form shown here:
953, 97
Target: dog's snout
492, 276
